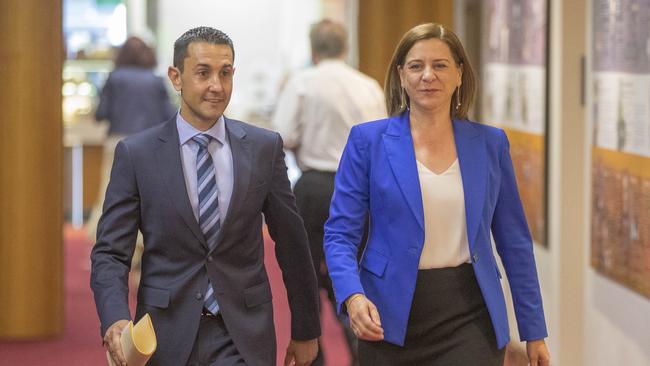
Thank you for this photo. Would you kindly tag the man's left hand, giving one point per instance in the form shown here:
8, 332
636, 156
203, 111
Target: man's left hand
301, 353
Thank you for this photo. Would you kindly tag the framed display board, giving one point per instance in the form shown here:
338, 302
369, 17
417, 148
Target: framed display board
620, 201
514, 58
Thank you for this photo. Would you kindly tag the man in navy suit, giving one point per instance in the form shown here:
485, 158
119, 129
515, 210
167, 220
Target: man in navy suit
197, 187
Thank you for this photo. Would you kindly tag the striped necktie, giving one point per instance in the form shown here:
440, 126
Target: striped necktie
209, 215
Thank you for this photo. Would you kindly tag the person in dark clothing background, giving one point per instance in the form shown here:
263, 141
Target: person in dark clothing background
134, 98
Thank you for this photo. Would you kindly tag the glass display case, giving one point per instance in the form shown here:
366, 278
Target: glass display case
82, 83
83, 137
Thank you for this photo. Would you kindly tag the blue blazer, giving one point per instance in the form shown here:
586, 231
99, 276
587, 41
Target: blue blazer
378, 177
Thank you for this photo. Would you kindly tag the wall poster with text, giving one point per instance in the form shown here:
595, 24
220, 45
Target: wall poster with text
620, 202
513, 94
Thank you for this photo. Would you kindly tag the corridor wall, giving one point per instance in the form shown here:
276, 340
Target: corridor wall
31, 173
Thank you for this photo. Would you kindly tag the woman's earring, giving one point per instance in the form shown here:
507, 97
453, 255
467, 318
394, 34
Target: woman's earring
403, 104
458, 98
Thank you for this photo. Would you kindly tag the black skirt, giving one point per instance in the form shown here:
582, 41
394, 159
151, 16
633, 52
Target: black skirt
448, 325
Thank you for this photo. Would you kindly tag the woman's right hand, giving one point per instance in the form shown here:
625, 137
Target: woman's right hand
364, 318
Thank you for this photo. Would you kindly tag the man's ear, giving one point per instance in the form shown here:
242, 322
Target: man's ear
174, 75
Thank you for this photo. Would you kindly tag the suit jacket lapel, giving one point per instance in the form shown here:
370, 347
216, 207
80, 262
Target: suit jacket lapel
470, 148
401, 156
242, 168
171, 168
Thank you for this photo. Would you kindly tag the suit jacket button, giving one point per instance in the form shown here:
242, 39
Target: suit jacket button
210, 259
198, 296
475, 257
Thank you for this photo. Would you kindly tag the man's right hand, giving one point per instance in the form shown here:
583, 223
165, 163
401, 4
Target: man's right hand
364, 318
112, 341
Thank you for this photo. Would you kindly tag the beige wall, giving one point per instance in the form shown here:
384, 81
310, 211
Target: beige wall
31, 250
568, 160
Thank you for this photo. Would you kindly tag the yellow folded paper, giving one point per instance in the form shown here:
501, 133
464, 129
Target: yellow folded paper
138, 342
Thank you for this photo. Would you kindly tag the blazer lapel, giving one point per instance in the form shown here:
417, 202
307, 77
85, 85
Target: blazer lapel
242, 168
401, 156
470, 148
170, 165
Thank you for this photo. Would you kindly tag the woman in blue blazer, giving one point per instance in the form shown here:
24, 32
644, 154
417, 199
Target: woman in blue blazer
434, 186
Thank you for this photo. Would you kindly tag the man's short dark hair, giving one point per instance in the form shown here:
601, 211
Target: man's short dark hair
199, 34
328, 39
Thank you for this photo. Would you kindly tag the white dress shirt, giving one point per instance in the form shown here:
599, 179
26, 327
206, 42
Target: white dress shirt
219, 149
319, 106
445, 225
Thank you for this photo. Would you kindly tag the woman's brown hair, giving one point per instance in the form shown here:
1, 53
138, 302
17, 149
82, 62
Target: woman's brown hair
135, 52
397, 100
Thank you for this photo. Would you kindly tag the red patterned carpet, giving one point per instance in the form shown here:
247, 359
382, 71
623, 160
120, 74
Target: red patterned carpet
80, 345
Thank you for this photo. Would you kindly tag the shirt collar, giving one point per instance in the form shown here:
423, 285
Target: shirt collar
186, 131
331, 61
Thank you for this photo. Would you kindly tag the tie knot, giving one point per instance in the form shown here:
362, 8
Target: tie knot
202, 139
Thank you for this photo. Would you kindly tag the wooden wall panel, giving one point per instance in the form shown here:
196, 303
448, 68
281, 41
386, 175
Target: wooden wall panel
31, 242
383, 22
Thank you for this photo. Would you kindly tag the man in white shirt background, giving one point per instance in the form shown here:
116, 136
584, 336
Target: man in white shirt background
316, 110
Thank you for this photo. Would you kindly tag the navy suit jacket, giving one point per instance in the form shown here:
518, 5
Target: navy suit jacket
147, 191
378, 176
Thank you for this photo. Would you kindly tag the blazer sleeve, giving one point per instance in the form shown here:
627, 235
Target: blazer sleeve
515, 247
292, 251
345, 226
116, 235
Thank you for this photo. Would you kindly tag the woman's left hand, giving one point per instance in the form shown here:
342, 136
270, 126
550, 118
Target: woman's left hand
538, 353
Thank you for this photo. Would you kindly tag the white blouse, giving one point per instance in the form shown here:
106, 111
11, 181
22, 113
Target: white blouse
445, 226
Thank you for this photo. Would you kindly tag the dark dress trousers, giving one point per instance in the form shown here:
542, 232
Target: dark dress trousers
147, 192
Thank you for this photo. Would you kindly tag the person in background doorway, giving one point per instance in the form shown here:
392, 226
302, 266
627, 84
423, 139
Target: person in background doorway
435, 185
314, 114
